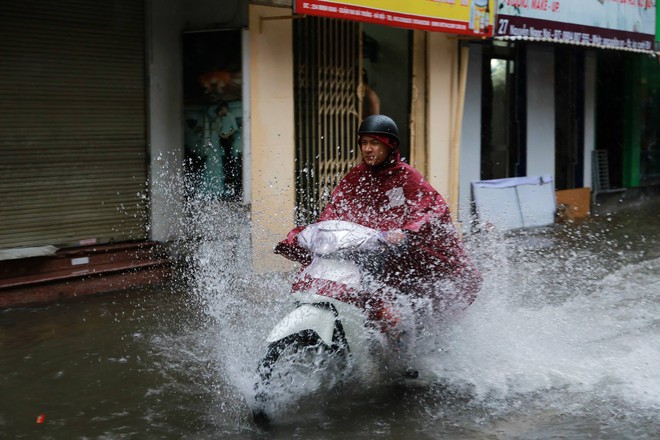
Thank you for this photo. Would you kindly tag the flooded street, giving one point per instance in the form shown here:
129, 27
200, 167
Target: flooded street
563, 342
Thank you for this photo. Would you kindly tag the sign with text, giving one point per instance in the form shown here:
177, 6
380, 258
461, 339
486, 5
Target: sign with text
617, 24
464, 17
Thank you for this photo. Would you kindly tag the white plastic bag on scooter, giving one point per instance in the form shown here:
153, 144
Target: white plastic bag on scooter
343, 326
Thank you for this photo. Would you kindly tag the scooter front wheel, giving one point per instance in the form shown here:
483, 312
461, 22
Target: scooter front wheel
294, 367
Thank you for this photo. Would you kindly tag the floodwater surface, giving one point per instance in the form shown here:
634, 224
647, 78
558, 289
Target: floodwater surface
563, 342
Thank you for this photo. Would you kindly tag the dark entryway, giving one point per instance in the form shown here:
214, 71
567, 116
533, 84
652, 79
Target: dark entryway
502, 112
569, 117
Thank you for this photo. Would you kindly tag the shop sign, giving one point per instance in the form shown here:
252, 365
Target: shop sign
464, 17
617, 24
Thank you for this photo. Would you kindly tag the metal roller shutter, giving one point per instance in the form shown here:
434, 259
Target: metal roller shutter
73, 163
327, 56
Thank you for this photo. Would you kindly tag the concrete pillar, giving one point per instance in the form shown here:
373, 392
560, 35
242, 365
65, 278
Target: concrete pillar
271, 133
442, 100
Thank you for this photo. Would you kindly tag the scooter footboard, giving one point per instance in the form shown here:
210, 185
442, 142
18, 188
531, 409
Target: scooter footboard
306, 317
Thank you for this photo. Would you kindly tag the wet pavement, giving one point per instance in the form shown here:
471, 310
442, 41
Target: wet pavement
562, 343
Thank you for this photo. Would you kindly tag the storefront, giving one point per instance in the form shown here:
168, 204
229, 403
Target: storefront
397, 52
554, 94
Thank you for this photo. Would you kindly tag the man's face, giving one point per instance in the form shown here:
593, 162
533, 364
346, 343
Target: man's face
374, 152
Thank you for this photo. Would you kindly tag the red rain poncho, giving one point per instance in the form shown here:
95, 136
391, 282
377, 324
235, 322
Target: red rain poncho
396, 196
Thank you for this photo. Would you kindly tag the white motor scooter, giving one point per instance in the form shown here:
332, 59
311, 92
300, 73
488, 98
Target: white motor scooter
344, 326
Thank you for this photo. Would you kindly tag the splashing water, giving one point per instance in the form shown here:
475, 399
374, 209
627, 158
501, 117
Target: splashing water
562, 341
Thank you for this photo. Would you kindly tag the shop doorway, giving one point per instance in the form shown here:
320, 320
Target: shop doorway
649, 96
610, 117
569, 117
503, 105
387, 67
344, 71
213, 109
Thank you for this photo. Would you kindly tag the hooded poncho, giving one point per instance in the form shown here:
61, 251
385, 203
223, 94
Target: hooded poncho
392, 196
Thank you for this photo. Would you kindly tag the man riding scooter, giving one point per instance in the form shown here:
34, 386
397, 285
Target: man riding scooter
387, 194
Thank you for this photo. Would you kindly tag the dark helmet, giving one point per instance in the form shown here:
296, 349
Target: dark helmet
380, 124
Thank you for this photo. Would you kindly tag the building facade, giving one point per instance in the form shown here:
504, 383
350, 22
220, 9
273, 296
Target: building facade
107, 107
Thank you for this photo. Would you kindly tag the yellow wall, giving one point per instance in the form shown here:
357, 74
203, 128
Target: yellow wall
442, 93
272, 134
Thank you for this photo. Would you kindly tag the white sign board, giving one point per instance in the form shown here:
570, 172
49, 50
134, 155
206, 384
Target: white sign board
513, 203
